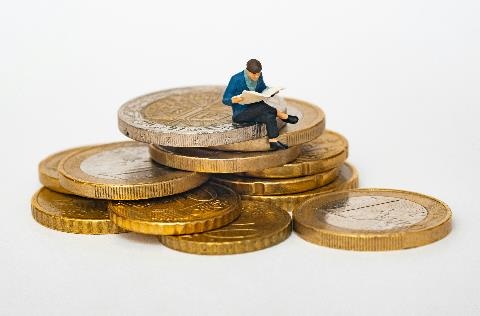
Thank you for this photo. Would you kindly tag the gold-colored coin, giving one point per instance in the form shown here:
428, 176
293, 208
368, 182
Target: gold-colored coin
187, 117
122, 171
328, 151
310, 125
72, 214
48, 170
259, 186
347, 179
216, 161
204, 208
372, 220
259, 226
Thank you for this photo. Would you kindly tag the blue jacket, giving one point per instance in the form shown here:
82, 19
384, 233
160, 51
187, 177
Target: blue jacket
235, 87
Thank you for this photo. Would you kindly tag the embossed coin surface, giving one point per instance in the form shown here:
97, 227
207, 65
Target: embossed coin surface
72, 214
204, 208
328, 151
259, 226
372, 219
186, 117
259, 186
122, 171
310, 125
347, 179
216, 161
48, 170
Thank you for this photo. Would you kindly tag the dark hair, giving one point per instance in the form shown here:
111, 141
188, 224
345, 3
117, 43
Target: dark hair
254, 66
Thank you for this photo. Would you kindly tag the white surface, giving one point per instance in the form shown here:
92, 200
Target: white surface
400, 79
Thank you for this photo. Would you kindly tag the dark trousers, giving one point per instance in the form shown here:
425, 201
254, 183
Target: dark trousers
260, 112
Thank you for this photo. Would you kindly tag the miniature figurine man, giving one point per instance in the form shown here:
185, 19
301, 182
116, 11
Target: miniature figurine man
251, 79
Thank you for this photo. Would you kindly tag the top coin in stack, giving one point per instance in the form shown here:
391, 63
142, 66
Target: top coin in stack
186, 117
310, 125
122, 171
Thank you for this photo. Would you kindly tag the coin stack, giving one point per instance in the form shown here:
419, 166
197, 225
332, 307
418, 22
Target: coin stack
206, 185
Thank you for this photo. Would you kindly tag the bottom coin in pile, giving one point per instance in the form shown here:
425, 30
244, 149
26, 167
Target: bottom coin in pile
72, 214
204, 208
372, 220
259, 226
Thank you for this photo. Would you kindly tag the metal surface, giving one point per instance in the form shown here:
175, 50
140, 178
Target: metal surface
259, 186
216, 161
372, 220
122, 171
259, 226
205, 208
328, 151
187, 117
72, 214
310, 125
347, 179
48, 169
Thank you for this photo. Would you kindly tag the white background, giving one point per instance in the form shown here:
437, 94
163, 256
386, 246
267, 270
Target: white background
400, 79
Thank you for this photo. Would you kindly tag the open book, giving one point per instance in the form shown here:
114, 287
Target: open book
253, 96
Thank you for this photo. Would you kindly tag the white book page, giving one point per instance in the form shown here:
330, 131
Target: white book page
253, 96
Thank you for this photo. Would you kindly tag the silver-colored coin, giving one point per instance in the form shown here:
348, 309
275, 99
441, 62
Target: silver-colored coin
187, 117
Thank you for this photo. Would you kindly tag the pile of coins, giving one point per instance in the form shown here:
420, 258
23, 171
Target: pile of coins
206, 185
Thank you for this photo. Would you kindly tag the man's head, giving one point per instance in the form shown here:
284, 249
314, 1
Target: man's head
254, 69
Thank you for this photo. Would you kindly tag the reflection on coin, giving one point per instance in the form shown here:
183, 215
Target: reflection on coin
259, 186
347, 179
122, 171
259, 226
204, 208
48, 172
186, 117
310, 125
215, 161
372, 220
72, 214
326, 152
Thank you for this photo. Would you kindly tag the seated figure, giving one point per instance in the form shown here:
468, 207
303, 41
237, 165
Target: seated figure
251, 79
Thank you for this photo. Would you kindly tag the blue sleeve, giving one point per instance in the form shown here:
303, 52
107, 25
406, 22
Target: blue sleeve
229, 92
261, 84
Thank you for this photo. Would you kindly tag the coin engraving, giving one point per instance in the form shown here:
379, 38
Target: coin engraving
372, 213
201, 202
124, 163
189, 110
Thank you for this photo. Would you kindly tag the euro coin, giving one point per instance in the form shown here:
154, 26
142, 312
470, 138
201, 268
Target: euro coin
259, 186
122, 171
259, 226
72, 214
328, 151
347, 179
310, 125
186, 117
204, 208
372, 220
216, 161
